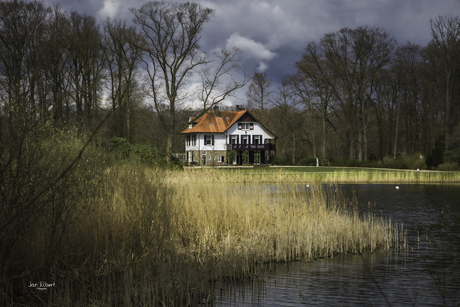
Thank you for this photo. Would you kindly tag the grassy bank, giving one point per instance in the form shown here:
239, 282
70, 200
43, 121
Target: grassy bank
333, 175
154, 237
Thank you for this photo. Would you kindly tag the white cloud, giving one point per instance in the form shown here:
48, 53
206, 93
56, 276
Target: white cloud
250, 47
110, 9
262, 67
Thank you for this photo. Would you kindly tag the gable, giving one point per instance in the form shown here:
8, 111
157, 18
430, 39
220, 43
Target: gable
247, 118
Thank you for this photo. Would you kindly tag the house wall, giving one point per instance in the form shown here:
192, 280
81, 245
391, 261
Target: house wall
207, 157
221, 140
258, 130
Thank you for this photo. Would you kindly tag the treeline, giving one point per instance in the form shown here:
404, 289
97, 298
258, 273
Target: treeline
69, 70
358, 95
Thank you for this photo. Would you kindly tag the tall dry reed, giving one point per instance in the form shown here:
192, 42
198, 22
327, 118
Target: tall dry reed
346, 175
155, 238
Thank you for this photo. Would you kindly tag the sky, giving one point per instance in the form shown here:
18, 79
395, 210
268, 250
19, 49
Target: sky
273, 33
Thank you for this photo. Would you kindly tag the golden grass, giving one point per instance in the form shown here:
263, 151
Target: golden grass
347, 175
163, 238
274, 227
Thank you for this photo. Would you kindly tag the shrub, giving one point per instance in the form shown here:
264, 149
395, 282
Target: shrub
231, 155
373, 164
452, 156
119, 147
437, 156
122, 150
397, 163
46, 182
148, 154
449, 166
307, 162
353, 163
277, 160
175, 164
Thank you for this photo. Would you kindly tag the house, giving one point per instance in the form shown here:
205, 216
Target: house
211, 136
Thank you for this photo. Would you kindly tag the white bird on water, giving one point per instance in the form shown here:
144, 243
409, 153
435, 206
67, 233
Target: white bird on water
397, 187
307, 185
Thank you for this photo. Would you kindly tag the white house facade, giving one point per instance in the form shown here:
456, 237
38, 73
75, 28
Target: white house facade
228, 137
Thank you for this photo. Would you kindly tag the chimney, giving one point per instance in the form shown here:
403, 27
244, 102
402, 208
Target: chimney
216, 111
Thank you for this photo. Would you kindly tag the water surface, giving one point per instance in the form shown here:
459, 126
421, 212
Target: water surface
424, 274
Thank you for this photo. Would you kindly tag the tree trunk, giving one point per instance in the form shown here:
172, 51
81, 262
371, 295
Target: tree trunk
293, 147
324, 141
448, 119
360, 133
396, 131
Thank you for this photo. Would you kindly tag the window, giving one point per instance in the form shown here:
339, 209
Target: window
245, 126
209, 140
245, 139
257, 139
234, 139
191, 140
220, 159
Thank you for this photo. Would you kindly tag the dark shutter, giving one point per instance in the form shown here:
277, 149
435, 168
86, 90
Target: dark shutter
252, 126
205, 138
212, 140
239, 126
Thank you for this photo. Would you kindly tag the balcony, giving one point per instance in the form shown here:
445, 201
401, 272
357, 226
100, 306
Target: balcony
251, 147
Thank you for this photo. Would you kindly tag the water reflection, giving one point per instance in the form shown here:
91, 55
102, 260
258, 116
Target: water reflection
422, 275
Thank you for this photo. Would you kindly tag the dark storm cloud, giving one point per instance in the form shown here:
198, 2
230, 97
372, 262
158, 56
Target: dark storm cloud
273, 33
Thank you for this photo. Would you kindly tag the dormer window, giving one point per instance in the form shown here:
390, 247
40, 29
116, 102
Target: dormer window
246, 126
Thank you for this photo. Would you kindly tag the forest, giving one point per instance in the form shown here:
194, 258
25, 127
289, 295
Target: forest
357, 94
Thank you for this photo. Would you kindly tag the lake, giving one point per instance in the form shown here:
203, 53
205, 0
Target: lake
422, 274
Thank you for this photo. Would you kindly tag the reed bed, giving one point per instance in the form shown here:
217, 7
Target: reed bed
156, 238
351, 175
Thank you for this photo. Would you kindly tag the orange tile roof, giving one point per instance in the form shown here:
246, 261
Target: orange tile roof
210, 123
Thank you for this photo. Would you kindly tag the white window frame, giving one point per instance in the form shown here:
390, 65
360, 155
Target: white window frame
245, 126
209, 140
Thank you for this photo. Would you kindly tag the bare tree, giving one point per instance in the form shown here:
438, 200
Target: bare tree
54, 57
85, 66
172, 33
218, 80
258, 94
290, 117
408, 65
22, 25
122, 55
355, 57
313, 84
446, 39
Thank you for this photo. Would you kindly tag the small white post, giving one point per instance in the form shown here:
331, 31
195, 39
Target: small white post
317, 162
